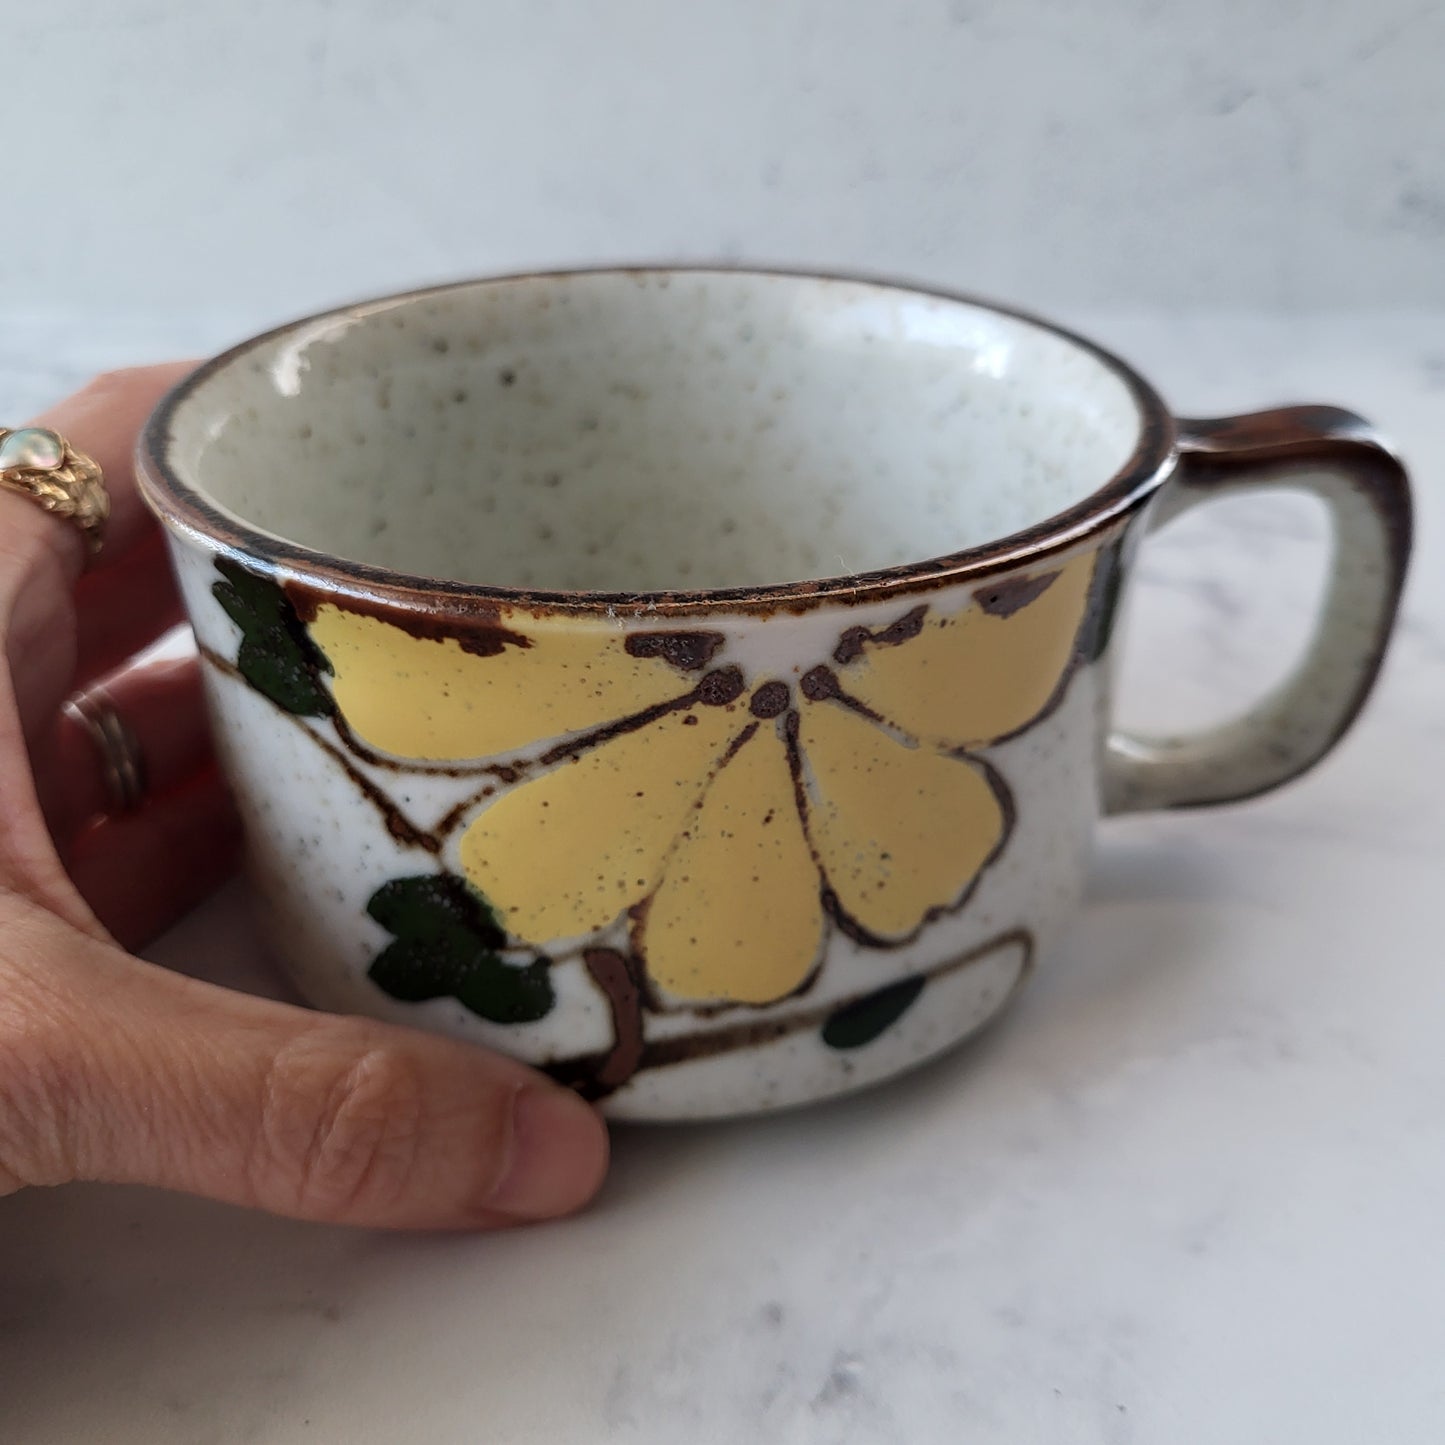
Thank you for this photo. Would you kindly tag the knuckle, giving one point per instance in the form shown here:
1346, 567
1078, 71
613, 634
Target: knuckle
105, 385
125, 385
341, 1122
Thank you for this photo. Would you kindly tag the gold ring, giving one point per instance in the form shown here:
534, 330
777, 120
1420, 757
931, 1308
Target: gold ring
120, 753
40, 464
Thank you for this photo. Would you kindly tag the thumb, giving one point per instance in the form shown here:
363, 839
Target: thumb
112, 1069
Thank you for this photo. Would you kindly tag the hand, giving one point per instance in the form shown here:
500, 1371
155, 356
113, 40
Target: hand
112, 1069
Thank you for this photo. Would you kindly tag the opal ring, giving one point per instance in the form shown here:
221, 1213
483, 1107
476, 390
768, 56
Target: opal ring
40, 464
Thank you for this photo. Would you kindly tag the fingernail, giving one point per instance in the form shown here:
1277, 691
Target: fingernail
558, 1156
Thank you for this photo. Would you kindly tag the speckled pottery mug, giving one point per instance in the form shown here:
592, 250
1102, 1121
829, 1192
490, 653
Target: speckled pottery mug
546, 737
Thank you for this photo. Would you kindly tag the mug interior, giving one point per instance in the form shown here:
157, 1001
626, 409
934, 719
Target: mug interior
640, 431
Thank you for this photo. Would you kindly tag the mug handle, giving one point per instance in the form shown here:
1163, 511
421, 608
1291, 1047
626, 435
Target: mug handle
1337, 456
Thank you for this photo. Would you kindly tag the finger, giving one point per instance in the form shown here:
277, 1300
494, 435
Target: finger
161, 702
113, 1070
40, 551
40, 559
29, 860
41, 556
103, 420
124, 608
142, 871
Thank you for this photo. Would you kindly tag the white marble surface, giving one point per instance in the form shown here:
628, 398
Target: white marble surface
1191, 1190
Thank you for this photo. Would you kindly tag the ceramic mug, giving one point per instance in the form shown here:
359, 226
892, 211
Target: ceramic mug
545, 737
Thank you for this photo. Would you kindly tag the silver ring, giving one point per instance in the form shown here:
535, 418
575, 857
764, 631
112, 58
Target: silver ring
122, 762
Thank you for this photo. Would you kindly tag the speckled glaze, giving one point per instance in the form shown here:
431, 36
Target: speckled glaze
571, 658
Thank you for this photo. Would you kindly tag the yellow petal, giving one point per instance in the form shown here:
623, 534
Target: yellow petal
738, 916
427, 698
564, 854
969, 677
899, 830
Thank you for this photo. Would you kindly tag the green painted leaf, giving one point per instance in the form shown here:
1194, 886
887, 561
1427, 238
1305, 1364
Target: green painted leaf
433, 905
446, 946
276, 655
861, 1022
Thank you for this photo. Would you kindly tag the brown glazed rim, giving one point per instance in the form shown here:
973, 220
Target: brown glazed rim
188, 511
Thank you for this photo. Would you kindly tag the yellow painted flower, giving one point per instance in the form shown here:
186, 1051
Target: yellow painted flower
730, 816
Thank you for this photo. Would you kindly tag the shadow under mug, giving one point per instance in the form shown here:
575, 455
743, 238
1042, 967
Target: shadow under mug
544, 738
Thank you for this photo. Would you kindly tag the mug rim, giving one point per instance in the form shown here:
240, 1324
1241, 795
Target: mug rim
186, 510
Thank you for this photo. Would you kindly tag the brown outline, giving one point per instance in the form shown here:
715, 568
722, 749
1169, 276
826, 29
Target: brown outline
652, 996
832, 907
1013, 594
423, 599
595, 737
1104, 556
1266, 448
397, 823
616, 974
750, 1033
